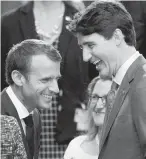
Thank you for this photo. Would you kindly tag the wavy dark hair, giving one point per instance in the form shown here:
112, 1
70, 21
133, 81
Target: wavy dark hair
104, 17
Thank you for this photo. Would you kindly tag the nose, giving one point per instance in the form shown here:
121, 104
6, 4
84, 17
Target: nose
54, 86
100, 103
86, 55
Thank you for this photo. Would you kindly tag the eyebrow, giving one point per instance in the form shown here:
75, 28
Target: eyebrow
47, 78
89, 42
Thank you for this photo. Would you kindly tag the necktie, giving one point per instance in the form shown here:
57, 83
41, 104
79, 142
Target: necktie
30, 134
111, 97
110, 101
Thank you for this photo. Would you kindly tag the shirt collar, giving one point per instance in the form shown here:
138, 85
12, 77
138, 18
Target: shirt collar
21, 109
123, 69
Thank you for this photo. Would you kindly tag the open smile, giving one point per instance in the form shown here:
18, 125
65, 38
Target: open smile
48, 97
100, 110
96, 62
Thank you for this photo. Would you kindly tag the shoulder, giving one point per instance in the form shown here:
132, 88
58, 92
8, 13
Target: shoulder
76, 142
140, 78
8, 120
139, 89
9, 124
73, 148
12, 16
9, 127
78, 139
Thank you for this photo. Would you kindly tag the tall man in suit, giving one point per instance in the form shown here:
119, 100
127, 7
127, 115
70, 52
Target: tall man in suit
32, 71
106, 34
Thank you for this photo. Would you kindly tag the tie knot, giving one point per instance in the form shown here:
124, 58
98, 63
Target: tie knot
28, 120
114, 86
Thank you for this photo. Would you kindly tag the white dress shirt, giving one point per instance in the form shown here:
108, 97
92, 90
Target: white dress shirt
21, 109
124, 68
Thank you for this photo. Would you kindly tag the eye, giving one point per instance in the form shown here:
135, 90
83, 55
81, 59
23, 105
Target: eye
43, 81
94, 96
46, 80
91, 46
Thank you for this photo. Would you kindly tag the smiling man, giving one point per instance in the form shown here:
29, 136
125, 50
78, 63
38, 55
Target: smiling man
32, 71
105, 31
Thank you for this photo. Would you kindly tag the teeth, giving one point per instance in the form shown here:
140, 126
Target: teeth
47, 96
96, 62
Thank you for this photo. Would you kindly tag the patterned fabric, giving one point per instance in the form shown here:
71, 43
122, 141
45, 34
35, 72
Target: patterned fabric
111, 96
49, 149
11, 139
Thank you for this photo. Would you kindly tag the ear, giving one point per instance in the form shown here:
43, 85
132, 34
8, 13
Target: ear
118, 37
18, 78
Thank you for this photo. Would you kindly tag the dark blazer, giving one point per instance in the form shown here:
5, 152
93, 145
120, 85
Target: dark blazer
7, 108
17, 26
124, 135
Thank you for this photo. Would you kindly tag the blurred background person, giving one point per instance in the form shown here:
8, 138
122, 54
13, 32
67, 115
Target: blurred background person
137, 9
87, 146
47, 20
12, 146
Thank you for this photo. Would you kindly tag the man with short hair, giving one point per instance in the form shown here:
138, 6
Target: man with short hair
105, 31
32, 71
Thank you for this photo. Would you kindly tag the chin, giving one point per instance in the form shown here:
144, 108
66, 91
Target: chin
45, 105
104, 75
99, 123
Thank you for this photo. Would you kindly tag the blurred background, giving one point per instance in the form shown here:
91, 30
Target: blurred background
50, 149
9, 5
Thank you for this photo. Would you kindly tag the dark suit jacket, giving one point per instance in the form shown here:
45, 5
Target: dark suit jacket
124, 135
17, 26
7, 108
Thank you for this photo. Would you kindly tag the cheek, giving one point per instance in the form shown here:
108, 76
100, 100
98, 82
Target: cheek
94, 115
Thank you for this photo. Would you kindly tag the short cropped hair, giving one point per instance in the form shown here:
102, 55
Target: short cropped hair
20, 55
104, 17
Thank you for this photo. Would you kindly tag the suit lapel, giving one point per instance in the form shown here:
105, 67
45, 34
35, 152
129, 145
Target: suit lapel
122, 92
9, 109
26, 19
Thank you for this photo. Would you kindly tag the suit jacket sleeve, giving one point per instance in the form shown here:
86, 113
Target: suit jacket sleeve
139, 113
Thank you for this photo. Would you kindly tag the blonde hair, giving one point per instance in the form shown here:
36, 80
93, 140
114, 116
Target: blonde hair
92, 127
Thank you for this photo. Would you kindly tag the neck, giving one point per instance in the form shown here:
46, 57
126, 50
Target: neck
17, 91
99, 131
126, 53
123, 55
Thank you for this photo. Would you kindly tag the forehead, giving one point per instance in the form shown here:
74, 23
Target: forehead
42, 64
95, 37
101, 88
